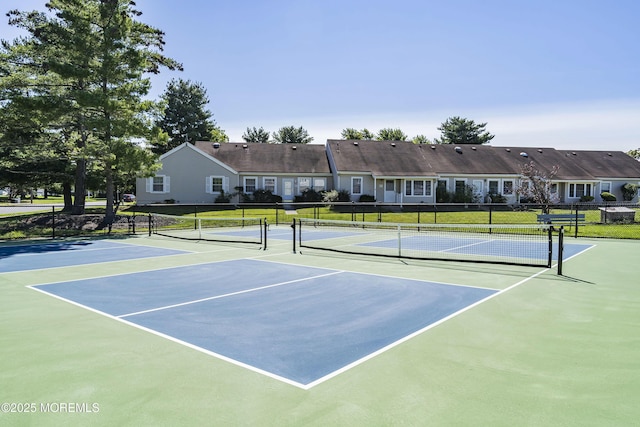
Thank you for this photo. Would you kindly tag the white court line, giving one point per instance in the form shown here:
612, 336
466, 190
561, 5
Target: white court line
176, 340
416, 333
288, 282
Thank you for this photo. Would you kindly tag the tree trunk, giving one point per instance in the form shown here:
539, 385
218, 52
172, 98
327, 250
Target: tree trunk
66, 196
80, 188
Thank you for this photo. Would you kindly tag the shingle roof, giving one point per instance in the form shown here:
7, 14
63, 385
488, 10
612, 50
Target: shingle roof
605, 164
401, 158
381, 158
270, 158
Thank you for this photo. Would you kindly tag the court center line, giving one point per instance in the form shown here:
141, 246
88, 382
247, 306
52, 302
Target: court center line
229, 294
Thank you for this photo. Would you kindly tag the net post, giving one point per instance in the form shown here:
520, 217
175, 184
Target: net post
550, 247
576, 221
150, 224
293, 227
399, 241
265, 225
560, 249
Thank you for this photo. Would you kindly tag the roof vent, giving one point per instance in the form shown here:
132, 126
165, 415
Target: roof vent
539, 150
393, 144
216, 145
523, 154
245, 146
294, 147
433, 146
355, 143
474, 148
574, 153
458, 150
508, 150
609, 154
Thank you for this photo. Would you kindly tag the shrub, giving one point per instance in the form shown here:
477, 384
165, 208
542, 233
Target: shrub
222, 198
499, 198
266, 196
608, 197
309, 195
367, 198
330, 196
629, 191
586, 198
344, 196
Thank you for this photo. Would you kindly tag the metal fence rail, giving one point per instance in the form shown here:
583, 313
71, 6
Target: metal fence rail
608, 220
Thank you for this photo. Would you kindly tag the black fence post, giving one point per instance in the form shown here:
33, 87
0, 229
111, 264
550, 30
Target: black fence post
150, 222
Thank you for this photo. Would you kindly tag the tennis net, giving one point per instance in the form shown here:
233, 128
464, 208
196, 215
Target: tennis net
530, 245
218, 229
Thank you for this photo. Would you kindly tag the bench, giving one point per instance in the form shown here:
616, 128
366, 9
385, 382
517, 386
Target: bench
562, 219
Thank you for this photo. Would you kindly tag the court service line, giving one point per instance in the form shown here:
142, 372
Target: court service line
229, 294
416, 333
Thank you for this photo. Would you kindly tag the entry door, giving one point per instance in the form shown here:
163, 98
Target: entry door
287, 189
390, 190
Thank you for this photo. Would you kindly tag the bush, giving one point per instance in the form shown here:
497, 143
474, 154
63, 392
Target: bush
586, 198
367, 198
629, 192
344, 196
309, 195
266, 196
499, 198
222, 198
608, 197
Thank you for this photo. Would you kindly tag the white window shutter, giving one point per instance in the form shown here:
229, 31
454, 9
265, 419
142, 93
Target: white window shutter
149, 185
225, 183
208, 186
167, 186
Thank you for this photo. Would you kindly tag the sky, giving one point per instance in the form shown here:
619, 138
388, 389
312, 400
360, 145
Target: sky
545, 73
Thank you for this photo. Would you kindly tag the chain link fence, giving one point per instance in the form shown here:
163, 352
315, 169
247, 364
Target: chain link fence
608, 220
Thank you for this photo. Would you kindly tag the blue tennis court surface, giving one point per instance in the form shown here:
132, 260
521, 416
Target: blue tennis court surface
298, 324
65, 254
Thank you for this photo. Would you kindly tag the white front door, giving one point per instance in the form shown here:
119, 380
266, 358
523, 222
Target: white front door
287, 189
390, 191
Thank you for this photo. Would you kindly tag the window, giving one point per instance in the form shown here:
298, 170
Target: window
417, 188
303, 184
605, 187
319, 184
579, 189
507, 187
250, 184
494, 186
158, 184
269, 184
460, 186
356, 185
216, 184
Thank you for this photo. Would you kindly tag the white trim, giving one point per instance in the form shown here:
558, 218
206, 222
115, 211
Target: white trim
165, 184
209, 184
189, 146
244, 184
275, 183
353, 178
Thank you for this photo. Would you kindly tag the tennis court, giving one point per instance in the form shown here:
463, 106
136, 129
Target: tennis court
178, 332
